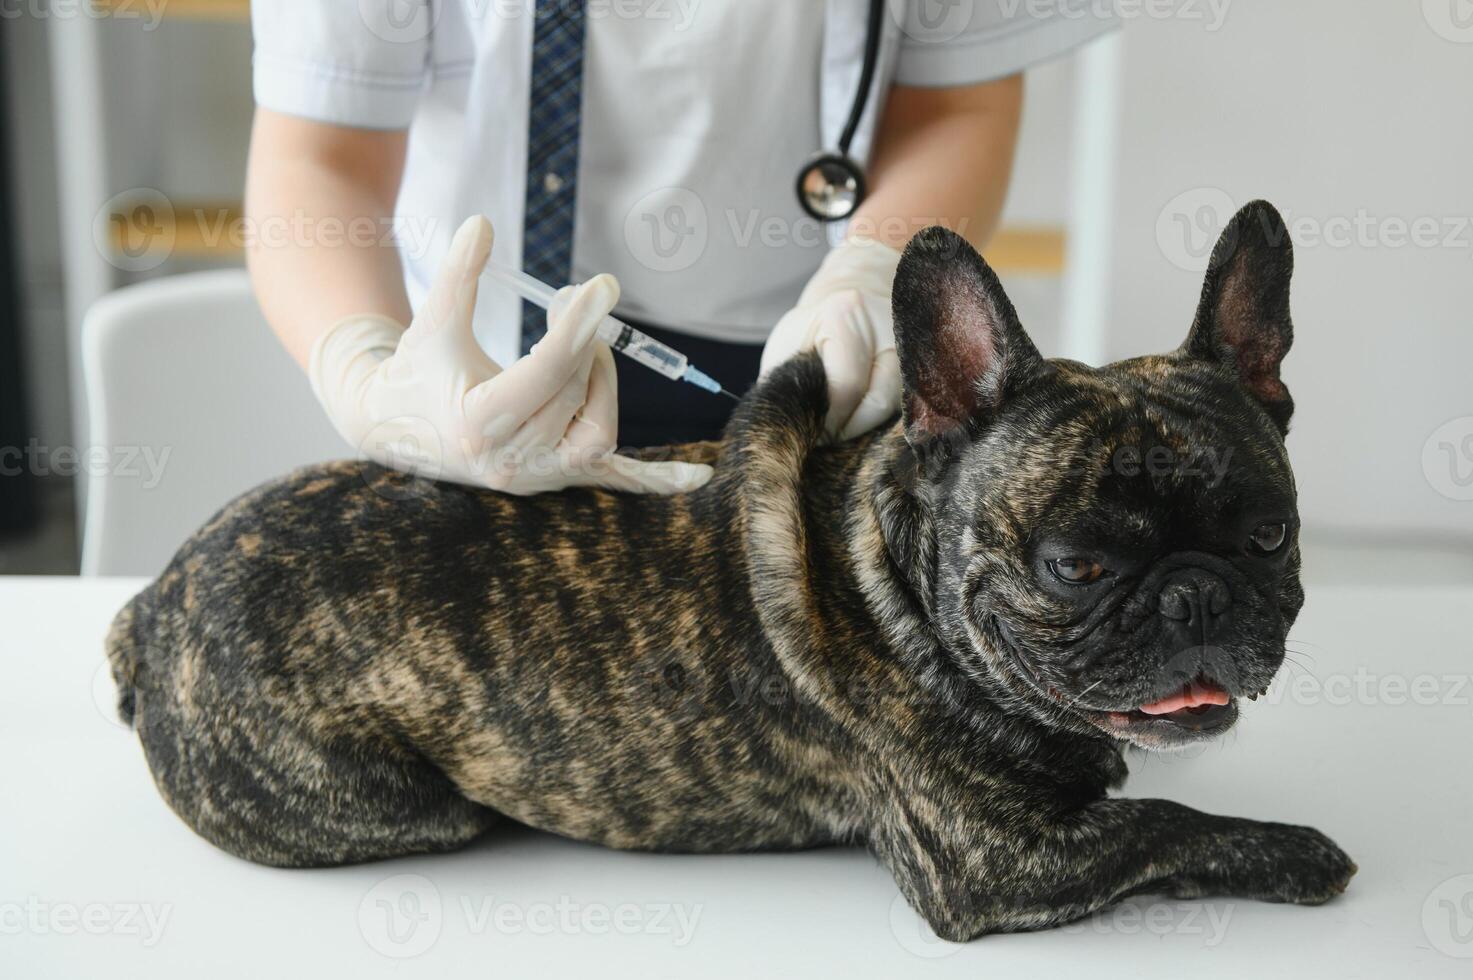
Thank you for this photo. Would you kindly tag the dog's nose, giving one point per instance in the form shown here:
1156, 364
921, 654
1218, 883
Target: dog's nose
1194, 596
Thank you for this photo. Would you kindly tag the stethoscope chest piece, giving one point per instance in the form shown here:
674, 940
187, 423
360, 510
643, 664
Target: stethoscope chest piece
831, 187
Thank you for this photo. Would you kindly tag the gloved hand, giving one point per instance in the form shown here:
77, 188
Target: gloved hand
428, 399
844, 313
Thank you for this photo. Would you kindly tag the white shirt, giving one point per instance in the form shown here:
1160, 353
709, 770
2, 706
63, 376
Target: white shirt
675, 201
697, 116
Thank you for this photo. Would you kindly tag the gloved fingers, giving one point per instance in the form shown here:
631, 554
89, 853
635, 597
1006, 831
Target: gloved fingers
592, 437
508, 400
793, 333
882, 328
561, 300
615, 472
546, 427
575, 315
596, 427
344, 367
452, 299
860, 266
557, 312
845, 344
859, 263
881, 401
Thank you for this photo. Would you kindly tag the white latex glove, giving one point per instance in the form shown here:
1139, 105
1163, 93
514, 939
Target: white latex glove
428, 400
844, 314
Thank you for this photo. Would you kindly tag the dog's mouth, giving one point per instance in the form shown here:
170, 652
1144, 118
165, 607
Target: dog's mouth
1200, 707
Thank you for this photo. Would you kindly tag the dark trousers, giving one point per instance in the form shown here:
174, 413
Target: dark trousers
656, 411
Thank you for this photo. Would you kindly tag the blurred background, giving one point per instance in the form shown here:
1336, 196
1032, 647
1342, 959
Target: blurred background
123, 134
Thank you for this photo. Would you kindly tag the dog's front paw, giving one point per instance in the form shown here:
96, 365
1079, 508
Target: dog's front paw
1293, 864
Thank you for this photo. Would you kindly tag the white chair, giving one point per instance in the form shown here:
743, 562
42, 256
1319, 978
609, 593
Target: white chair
191, 401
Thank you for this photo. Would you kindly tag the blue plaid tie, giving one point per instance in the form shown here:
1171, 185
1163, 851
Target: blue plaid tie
552, 151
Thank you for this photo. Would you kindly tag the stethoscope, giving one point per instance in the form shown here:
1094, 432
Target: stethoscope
831, 186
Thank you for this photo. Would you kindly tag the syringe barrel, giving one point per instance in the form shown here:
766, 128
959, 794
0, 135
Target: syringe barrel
637, 346
623, 338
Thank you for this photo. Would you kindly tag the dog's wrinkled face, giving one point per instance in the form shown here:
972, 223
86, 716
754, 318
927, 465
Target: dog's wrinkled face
1116, 547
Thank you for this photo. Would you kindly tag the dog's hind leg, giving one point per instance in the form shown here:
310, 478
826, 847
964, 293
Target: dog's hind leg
263, 768
275, 792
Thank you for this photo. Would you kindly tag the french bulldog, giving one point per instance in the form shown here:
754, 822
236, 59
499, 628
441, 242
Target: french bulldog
936, 640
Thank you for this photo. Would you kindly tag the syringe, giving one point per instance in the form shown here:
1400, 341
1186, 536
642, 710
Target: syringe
621, 337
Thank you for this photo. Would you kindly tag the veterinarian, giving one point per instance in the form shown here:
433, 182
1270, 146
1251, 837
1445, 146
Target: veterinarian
668, 143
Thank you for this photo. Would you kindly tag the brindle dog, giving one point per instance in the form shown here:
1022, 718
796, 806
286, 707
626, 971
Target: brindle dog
936, 640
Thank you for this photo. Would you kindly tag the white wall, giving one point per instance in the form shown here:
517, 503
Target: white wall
23, 57
175, 109
1331, 109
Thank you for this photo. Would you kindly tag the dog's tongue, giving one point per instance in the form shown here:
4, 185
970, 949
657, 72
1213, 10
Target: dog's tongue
1193, 695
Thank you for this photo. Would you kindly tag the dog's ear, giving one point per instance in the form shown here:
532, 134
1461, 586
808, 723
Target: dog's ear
957, 336
1243, 318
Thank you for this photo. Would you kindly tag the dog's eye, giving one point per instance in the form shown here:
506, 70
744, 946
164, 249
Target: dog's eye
1076, 571
1268, 538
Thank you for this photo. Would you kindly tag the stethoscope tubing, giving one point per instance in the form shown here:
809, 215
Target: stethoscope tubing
866, 76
